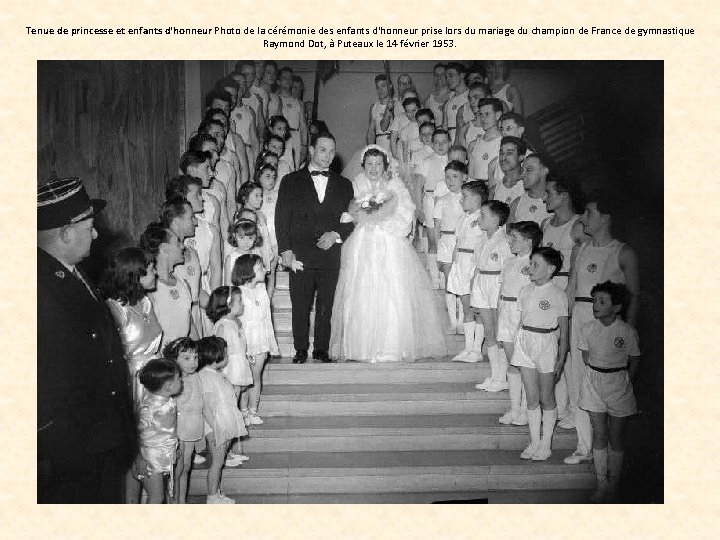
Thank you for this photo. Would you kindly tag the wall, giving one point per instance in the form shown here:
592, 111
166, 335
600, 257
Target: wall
120, 126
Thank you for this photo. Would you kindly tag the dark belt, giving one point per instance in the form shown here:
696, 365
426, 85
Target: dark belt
539, 330
447, 232
607, 370
490, 272
583, 299
563, 274
452, 128
466, 250
429, 190
508, 298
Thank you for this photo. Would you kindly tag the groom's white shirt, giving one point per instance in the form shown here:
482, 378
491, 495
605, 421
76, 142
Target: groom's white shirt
320, 183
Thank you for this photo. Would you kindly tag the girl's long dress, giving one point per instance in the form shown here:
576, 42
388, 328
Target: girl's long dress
384, 307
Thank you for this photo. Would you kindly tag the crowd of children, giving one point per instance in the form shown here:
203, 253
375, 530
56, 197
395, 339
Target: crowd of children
535, 287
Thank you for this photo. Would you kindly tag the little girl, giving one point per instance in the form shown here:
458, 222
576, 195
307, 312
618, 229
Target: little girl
157, 427
223, 419
243, 240
249, 274
279, 126
225, 308
183, 352
266, 177
251, 197
541, 346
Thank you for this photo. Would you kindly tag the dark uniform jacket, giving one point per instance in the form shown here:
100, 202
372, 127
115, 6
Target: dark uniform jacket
300, 219
83, 395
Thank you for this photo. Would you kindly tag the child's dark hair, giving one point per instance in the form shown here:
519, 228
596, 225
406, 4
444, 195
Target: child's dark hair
456, 165
218, 94
173, 349
430, 125
243, 227
619, 293
515, 117
500, 209
179, 186
261, 169
551, 256
440, 131
211, 350
245, 190
157, 372
528, 230
458, 148
219, 302
193, 158
121, 279
244, 270
482, 86
563, 186
495, 103
154, 235
196, 142
410, 101
242, 210
476, 187
172, 209
279, 119
425, 112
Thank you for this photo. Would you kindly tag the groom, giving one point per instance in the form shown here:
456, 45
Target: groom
307, 223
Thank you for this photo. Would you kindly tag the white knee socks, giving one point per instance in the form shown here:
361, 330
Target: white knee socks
515, 388
502, 365
479, 338
548, 427
451, 305
469, 335
534, 419
584, 432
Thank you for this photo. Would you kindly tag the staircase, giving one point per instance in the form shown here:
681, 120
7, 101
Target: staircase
389, 433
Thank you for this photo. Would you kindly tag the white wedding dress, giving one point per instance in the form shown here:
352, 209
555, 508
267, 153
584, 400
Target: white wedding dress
384, 309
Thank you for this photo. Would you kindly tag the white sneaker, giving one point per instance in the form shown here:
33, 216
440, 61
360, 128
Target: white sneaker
219, 498
541, 454
496, 386
255, 419
520, 420
198, 459
576, 458
460, 357
472, 357
529, 451
483, 385
233, 460
507, 418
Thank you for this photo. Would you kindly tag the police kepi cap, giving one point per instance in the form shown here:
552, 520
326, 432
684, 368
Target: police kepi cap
64, 201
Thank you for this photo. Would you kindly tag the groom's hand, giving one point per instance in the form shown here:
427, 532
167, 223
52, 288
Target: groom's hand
327, 240
286, 258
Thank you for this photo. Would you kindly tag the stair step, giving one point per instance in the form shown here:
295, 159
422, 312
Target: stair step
379, 399
437, 370
566, 496
387, 472
385, 433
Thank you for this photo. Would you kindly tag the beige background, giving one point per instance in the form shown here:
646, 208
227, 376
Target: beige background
691, 69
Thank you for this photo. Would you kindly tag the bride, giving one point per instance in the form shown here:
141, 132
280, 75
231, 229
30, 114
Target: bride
384, 308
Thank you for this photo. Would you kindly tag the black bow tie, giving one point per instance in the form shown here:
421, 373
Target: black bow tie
326, 174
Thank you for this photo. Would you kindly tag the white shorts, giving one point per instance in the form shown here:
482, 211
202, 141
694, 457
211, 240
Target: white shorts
508, 321
428, 203
485, 291
445, 247
535, 350
461, 273
610, 393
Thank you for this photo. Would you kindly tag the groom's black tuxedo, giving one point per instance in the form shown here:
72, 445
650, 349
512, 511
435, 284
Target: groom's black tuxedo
300, 221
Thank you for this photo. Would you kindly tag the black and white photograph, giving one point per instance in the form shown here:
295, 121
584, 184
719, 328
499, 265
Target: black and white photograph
350, 282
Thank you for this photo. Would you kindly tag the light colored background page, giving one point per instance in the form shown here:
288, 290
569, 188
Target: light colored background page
691, 69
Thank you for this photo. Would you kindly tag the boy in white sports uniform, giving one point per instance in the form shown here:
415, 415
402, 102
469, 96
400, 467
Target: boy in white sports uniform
440, 94
601, 259
401, 121
541, 348
469, 237
472, 129
448, 217
524, 237
485, 294
410, 139
511, 125
530, 206
429, 173
510, 188
456, 153
382, 113
610, 351
483, 149
455, 75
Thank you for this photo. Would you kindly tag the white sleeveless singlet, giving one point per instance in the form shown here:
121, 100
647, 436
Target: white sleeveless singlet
531, 209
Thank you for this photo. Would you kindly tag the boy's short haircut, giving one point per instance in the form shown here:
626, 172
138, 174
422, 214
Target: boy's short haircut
192, 158
211, 350
500, 209
528, 230
440, 131
427, 125
458, 148
458, 166
476, 187
157, 372
273, 137
551, 256
205, 125
541, 158
495, 103
520, 145
606, 201
457, 66
425, 112
481, 85
515, 117
380, 77
196, 141
619, 293
177, 187
410, 101
214, 94
563, 186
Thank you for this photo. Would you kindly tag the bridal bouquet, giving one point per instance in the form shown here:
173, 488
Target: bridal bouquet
372, 202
